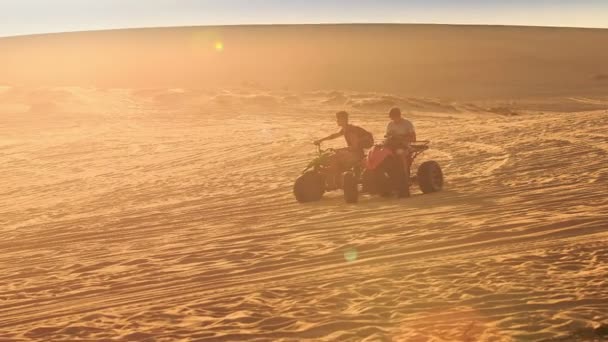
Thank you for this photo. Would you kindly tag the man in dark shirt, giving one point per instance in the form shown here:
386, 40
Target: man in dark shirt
350, 156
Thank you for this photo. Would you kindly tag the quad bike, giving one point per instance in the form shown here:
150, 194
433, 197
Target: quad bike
319, 177
377, 174
388, 169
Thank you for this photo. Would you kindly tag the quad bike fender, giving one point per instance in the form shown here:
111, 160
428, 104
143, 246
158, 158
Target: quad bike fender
376, 156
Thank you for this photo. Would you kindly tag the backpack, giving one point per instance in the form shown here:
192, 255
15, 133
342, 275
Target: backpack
366, 139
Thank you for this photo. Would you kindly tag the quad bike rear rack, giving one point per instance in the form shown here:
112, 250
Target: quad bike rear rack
417, 147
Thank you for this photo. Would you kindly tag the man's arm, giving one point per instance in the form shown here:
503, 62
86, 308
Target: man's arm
330, 137
389, 129
411, 131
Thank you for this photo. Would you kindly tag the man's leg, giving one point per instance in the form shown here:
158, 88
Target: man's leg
396, 174
404, 186
334, 169
340, 162
399, 173
346, 160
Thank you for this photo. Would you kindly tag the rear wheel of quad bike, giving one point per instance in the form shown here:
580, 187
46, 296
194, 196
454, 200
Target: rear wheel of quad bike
430, 177
309, 187
351, 187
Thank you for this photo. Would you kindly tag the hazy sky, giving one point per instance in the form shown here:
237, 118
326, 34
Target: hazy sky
41, 16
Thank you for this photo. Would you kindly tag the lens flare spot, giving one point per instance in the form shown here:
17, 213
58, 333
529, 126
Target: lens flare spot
350, 255
219, 46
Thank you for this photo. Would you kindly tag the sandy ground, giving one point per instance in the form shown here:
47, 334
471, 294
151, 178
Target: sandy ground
167, 214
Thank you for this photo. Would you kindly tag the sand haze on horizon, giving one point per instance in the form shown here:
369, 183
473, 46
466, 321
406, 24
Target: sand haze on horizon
413, 60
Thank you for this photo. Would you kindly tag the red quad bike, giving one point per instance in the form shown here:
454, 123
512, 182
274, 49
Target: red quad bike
388, 169
380, 172
316, 179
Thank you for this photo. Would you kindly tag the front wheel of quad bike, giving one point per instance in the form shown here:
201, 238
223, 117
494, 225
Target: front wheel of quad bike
430, 177
351, 187
309, 187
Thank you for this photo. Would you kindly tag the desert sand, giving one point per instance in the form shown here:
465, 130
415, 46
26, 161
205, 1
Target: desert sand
146, 178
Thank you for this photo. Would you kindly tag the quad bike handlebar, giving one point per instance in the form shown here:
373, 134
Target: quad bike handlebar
320, 150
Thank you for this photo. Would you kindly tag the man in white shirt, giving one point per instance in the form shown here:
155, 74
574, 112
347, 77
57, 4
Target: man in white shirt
400, 127
403, 133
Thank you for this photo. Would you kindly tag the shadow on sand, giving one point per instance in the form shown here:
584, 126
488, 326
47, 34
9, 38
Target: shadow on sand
446, 198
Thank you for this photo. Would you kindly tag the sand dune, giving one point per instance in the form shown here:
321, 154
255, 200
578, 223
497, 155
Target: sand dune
473, 62
166, 213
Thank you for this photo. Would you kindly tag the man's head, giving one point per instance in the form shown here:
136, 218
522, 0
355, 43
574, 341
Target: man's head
395, 114
342, 118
